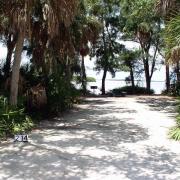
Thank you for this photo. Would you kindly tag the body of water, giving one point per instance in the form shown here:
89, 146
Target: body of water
157, 86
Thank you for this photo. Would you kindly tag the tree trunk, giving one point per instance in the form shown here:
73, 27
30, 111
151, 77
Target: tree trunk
83, 77
147, 76
148, 85
132, 79
167, 78
15, 70
103, 82
10, 47
178, 73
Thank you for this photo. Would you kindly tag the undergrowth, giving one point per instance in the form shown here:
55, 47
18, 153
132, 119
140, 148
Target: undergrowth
175, 131
13, 120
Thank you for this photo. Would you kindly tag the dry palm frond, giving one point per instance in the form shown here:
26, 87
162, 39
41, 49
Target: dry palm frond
167, 7
175, 55
18, 13
57, 12
144, 34
36, 97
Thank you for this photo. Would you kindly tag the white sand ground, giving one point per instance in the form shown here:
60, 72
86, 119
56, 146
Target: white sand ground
102, 139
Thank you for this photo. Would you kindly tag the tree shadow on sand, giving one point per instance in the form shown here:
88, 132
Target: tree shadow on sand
40, 162
88, 143
159, 104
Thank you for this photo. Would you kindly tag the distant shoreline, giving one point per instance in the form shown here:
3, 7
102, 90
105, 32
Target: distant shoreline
157, 86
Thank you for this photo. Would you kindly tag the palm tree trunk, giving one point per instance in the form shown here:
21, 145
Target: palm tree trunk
15, 70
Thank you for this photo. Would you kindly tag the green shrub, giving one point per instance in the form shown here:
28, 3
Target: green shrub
61, 94
175, 131
178, 120
130, 91
77, 79
91, 79
13, 120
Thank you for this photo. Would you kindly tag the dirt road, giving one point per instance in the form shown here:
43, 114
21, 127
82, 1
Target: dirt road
101, 139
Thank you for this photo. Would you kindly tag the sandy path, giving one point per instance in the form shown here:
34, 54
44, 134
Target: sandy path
109, 139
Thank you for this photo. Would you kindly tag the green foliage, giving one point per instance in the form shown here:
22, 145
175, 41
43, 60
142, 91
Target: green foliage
13, 120
107, 49
77, 79
61, 93
143, 25
172, 39
130, 90
91, 79
139, 14
178, 119
131, 60
175, 131
172, 32
31, 75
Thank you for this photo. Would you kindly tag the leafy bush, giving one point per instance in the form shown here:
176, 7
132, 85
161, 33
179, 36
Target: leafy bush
61, 94
91, 79
13, 120
77, 79
130, 91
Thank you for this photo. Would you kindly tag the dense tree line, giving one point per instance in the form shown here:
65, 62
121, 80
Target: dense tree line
58, 34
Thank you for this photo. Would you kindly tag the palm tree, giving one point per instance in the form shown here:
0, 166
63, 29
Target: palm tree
169, 10
20, 16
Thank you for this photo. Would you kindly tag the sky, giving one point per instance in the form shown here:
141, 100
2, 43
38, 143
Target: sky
111, 83
3, 53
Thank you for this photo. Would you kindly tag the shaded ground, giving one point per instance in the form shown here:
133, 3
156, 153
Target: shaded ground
113, 138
